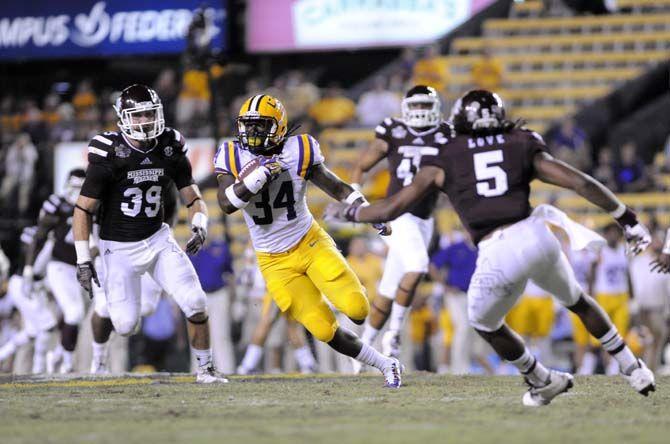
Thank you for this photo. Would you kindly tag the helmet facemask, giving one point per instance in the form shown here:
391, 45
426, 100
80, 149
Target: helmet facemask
143, 122
421, 111
257, 133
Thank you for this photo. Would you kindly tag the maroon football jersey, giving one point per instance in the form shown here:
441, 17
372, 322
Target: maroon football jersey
488, 178
406, 150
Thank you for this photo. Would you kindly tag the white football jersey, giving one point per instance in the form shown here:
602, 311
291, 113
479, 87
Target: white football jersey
278, 216
582, 262
612, 271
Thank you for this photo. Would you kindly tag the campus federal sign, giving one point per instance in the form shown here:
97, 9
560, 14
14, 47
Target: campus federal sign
89, 28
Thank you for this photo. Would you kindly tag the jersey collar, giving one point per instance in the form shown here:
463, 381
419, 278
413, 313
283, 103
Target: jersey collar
131, 146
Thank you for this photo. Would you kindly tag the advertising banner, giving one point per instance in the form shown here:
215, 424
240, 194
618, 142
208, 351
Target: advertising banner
88, 28
303, 25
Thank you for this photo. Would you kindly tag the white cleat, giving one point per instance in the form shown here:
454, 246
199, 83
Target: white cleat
642, 379
53, 361
242, 371
99, 367
209, 375
66, 368
391, 344
559, 382
392, 374
356, 366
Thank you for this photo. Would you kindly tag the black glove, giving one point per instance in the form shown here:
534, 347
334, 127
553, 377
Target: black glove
86, 272
196, 241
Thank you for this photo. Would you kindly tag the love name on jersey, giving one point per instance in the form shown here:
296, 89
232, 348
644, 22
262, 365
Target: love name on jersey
480, 142
139, 176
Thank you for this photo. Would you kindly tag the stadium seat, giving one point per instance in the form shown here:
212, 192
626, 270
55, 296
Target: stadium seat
526, 79
604, 43
520, 62
584, 24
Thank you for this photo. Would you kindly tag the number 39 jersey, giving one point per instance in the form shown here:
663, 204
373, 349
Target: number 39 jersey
488, 178
277, 216
406, 149
131, 183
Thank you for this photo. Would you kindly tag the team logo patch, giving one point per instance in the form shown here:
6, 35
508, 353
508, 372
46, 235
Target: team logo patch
440, 138
168, 151
399, 132
122, 151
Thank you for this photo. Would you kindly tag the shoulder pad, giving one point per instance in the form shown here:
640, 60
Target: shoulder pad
172, 137
101, 146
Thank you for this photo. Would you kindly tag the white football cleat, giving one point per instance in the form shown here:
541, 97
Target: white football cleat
209, 375
391, 344
99, 367
642, 379
242, 371
559, 382
392, 374
356, 366
53, 360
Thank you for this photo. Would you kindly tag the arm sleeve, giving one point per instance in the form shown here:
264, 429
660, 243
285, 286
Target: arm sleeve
98, 175
184, 176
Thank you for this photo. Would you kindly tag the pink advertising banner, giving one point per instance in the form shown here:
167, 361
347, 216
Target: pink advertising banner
307, 25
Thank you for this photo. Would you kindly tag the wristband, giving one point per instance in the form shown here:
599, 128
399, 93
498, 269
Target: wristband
235, 201
199, 220
627, 219
353, 197
256, 180
351, 213
619, 211
666, 245
83, 252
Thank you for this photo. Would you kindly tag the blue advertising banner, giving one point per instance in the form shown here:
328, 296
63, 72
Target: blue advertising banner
89, 28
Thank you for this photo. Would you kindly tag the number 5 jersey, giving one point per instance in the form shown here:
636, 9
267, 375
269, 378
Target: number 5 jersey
277, 216
131, 182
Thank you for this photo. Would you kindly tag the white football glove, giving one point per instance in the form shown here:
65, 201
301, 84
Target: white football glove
637, 238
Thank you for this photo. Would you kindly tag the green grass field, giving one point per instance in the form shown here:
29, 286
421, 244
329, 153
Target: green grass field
327, 409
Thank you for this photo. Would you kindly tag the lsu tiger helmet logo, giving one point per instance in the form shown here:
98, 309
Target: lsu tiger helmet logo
261, 124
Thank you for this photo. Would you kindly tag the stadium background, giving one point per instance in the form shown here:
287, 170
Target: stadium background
591, 76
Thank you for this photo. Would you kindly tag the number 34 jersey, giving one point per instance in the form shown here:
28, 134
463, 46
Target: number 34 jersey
131, 183
488, 178
277, 216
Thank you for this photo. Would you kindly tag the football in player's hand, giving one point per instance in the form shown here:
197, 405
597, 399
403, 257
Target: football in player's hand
249, 167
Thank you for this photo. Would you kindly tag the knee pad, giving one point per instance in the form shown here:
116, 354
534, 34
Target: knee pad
191, 301
357, 307
73, 314
322, 329
148, 307
126, 327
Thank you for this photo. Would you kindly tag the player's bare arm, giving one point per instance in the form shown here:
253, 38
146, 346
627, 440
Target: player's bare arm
82, 221
374, 153
553, 171
329, 183
241, 192
428, 178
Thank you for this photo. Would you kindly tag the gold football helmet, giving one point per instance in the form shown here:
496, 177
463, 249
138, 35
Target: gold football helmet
262, 123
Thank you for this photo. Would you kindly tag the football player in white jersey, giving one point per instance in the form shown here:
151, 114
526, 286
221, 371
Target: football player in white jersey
610, 286
265, 175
